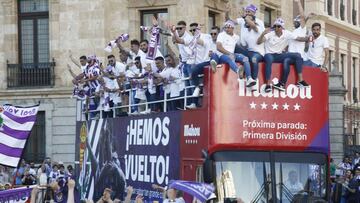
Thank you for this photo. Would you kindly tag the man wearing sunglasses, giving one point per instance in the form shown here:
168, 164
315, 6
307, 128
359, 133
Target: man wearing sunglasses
225, 45
211, 59
317, 47
199, 47
182, 38
276, 42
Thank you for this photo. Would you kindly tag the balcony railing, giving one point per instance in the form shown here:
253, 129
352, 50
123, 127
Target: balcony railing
29, 75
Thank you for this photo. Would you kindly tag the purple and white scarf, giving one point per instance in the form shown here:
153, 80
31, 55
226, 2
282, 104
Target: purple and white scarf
154, 42
112, 44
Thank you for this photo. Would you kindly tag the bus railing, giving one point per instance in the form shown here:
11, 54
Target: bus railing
99, 112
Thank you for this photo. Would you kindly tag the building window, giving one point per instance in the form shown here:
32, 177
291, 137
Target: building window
330, 7
34, 68
343, 69
342, 10
330, 59
146, 20
354, 12
268, 16
355, 81
212, 20
35, 146
34, 32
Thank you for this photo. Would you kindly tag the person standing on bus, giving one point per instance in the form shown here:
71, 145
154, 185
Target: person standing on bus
319, 45
296, 47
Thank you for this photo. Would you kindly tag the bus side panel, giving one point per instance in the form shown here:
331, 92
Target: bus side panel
295, 119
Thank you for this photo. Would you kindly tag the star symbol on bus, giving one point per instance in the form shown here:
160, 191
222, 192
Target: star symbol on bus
263, 105
297, 107
286, 106
252, 105
275, 106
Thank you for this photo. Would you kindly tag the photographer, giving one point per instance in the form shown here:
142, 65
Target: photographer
28, 178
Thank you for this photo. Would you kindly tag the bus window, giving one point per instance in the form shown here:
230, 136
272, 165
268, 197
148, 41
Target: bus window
246, 180
298, 181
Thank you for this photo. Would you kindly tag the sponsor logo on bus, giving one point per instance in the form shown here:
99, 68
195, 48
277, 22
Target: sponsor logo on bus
291, 91
191, 134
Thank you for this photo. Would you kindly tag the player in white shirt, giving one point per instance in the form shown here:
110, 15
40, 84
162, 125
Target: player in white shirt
199, 46
211, 55
225, 45
183, 39
249, 14
276, 42
255, 52
318, 47
295, 46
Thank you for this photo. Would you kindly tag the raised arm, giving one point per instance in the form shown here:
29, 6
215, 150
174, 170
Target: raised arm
261, 38
301, 13
74, 60
71, 196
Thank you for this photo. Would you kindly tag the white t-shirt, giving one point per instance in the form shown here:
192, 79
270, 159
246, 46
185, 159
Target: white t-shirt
243, 29
275, 44
184, 50
202, 51
119, 68
316, 50
227, 41
212, 47
297, 46
83, 68
175, 85
165, 73
249, 39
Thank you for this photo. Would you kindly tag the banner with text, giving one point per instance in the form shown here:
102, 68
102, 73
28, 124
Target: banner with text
295, 118
129, 151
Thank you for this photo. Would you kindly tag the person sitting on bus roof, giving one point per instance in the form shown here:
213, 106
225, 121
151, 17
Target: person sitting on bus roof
225, 45
276, 41
318, 45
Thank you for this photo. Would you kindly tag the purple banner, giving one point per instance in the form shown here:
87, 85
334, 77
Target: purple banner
18, 194
129, 151
200, 191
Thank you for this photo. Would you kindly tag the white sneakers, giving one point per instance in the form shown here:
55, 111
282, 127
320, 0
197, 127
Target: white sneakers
196, 92
250, 82
213, 65
191, 106
146, 111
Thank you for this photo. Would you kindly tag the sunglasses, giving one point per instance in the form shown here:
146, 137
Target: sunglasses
193, 30
137, 63
179, 28
278, 26
213, 34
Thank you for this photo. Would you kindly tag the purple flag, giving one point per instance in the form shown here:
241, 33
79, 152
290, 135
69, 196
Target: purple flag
200, 191
18, 194
15, 126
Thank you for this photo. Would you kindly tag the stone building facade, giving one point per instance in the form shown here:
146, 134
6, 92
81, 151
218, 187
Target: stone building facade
57, 28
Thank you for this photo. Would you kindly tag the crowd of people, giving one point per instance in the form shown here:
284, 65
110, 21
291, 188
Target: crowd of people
345, 177
30, 174
143, 75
